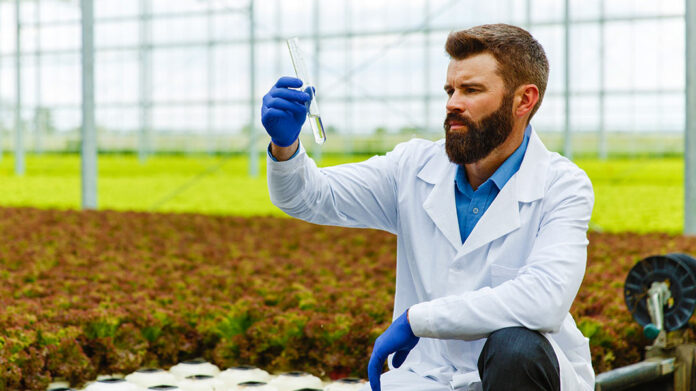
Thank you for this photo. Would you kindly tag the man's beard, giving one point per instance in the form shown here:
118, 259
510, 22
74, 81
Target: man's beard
479, 138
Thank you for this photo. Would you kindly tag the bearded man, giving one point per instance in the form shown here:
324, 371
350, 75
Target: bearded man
491, 226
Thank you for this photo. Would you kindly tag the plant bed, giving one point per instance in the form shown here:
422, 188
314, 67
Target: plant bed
83, 293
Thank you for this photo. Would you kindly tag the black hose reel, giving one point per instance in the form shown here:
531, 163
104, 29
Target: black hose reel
660, 292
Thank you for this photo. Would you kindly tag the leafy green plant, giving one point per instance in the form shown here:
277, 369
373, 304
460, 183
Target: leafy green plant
120, 290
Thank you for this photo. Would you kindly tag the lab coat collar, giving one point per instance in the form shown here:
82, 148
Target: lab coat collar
531, 178
502, 217
440, 203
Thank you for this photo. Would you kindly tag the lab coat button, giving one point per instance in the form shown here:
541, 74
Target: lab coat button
475, 211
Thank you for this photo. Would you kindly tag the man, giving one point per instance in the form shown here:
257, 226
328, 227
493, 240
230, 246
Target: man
491, 226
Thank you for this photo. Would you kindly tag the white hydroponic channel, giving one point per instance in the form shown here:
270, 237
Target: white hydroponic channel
199, 375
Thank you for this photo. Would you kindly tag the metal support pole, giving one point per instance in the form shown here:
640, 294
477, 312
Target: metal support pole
690, 131
89, 136
528, 14
210, 78
567, 142
39, 113
19, 128
426, 67
602, 129
282, 48
253, 156
349, 123
316, 149
145, 80
1, 102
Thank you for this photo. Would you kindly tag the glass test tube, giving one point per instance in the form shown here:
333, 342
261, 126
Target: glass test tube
308, 86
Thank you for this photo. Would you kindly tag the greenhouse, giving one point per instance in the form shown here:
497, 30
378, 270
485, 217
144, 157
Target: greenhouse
148, 225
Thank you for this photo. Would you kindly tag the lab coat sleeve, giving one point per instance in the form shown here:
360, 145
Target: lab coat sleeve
350, 195
541, 294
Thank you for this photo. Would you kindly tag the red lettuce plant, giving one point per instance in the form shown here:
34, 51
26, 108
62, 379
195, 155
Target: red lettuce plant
83, 293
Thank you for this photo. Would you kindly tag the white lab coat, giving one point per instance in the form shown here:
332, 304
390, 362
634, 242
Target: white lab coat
522, 264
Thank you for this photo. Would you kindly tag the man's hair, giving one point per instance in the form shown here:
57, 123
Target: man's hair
520, 57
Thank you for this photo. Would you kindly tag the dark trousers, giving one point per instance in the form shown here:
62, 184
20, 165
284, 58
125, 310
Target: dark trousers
516, 358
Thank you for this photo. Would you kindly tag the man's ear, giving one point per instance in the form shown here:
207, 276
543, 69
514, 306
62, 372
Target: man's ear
526, 97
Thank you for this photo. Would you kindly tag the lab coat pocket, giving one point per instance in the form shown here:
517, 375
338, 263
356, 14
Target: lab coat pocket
580, 352
574, 364
500, 274
580, 357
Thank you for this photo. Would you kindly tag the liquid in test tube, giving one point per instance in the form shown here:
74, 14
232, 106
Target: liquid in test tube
308, 86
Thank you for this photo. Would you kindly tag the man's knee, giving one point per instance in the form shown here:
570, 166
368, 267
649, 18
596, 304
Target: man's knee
517, 353
517, 343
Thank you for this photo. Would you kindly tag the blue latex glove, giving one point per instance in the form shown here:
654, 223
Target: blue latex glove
399, 339
284, 111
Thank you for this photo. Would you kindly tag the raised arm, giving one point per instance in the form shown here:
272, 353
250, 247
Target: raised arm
353, 195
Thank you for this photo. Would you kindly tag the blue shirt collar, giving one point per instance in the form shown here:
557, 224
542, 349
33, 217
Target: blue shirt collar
503, 174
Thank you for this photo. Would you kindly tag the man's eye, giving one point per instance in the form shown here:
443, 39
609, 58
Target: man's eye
449, 92
471, 90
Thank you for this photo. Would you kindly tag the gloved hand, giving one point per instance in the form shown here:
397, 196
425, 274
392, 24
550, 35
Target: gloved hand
284, 111
397, 338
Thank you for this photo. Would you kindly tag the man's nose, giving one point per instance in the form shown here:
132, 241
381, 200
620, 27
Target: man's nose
455, 104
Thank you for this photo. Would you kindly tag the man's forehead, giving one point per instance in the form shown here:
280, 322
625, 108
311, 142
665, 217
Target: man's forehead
478, 68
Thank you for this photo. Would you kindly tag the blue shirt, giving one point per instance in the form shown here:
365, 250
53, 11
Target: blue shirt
274, 158
471, 205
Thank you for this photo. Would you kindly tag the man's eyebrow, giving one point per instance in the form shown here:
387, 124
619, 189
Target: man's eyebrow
465, 85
